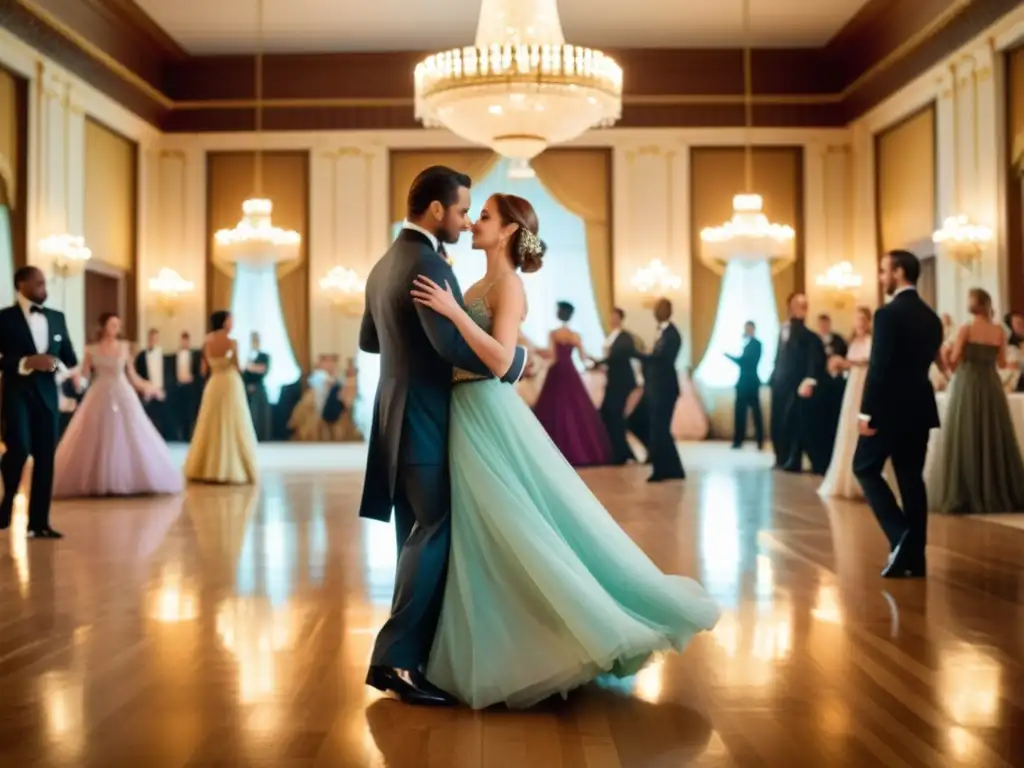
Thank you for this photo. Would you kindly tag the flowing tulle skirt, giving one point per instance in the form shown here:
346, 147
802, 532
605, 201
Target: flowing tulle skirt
223, 448
567, 413
545, 591
111, 447
840, 481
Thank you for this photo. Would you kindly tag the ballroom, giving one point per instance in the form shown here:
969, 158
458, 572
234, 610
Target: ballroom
725, 194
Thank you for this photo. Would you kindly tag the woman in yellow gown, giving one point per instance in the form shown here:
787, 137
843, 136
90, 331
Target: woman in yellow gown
223, 448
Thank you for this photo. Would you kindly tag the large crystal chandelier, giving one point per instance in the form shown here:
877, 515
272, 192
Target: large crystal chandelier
344, 289
654, 281
748, 235
255, 241
521, 88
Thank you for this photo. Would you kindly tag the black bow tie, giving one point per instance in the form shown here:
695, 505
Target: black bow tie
35, 309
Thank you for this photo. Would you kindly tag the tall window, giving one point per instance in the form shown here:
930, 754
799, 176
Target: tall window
565, 276
6, 258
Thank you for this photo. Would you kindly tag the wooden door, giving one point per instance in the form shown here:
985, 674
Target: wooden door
102, 294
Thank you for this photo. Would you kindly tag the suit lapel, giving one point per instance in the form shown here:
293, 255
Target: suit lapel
21, 323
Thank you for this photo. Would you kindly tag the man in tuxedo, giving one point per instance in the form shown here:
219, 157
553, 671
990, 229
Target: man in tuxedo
620, 382
34, 348
898, 411
186, 387
151, 364
748, 389
661, 389
799, 366
1015, 322
406, 466
829, 390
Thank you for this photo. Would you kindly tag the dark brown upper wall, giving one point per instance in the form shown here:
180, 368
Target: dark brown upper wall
116, 47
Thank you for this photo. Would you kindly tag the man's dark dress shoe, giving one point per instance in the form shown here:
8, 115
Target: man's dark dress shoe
408, 685
44, 533
903, 565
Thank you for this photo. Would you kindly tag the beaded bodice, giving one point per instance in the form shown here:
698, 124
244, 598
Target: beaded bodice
478, 310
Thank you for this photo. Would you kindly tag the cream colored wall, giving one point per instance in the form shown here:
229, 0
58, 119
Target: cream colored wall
651, 209
58, 105
976, 69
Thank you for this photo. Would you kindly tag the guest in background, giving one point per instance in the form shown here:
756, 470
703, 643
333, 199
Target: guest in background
223, 448
34, 347
748, 388
799, 365
186, 387
349, 432
661, 389
319, 415
829, 392
564, 406
1015, 349
984, 471
70, 391
111, 447
150, 365
620, 377
839, 480
253, 375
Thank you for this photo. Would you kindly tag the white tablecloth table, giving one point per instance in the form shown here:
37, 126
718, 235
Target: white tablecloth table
934, 461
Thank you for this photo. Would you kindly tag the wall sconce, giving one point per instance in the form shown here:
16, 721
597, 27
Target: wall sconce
840, 284
654, 281
345, 290
168, 289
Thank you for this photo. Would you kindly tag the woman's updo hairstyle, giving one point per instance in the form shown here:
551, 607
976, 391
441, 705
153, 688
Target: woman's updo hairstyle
219, 319
527, 249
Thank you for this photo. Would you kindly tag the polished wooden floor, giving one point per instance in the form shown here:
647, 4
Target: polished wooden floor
231, 627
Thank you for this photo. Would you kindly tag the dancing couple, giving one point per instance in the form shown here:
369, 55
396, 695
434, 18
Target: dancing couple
513, 582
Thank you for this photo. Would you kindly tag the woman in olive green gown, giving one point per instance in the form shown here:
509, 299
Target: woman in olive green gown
983, 471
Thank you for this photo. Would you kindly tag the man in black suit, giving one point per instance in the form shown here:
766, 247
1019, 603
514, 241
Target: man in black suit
34, 347
620, 382
406, 464
748, 389
661, 390
829, 390
185, 368
799, 366
151, 365
898, 411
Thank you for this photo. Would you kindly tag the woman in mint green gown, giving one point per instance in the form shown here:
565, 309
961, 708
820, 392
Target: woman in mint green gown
545, 591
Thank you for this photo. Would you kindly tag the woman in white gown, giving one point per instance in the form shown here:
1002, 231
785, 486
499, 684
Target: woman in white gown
839, 480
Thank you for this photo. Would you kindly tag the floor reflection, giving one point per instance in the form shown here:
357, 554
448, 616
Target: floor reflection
233, 627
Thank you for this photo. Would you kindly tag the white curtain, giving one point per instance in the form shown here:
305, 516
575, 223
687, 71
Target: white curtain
6, 259
565, 276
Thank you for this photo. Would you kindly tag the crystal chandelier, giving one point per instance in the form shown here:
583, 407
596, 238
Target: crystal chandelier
343, 288
255, 241
654, 281
67, 253
840, 282
521, 88
748, 235
961, 240
169, 287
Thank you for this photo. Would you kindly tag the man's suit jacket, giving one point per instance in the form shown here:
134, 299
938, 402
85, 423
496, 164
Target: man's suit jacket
748, 361
16, 343
800, 357
661, 379
905, 342
418, 349
621, 378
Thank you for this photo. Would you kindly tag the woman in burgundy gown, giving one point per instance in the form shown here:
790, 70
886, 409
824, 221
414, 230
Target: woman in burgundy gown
564, 406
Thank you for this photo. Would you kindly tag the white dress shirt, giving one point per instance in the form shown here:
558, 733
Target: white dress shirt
39, 326
183, 366
155, 367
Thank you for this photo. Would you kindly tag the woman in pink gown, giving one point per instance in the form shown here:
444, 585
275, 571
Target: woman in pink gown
111, 448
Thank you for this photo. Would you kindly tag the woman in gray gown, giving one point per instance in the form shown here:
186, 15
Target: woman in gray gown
984, 470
